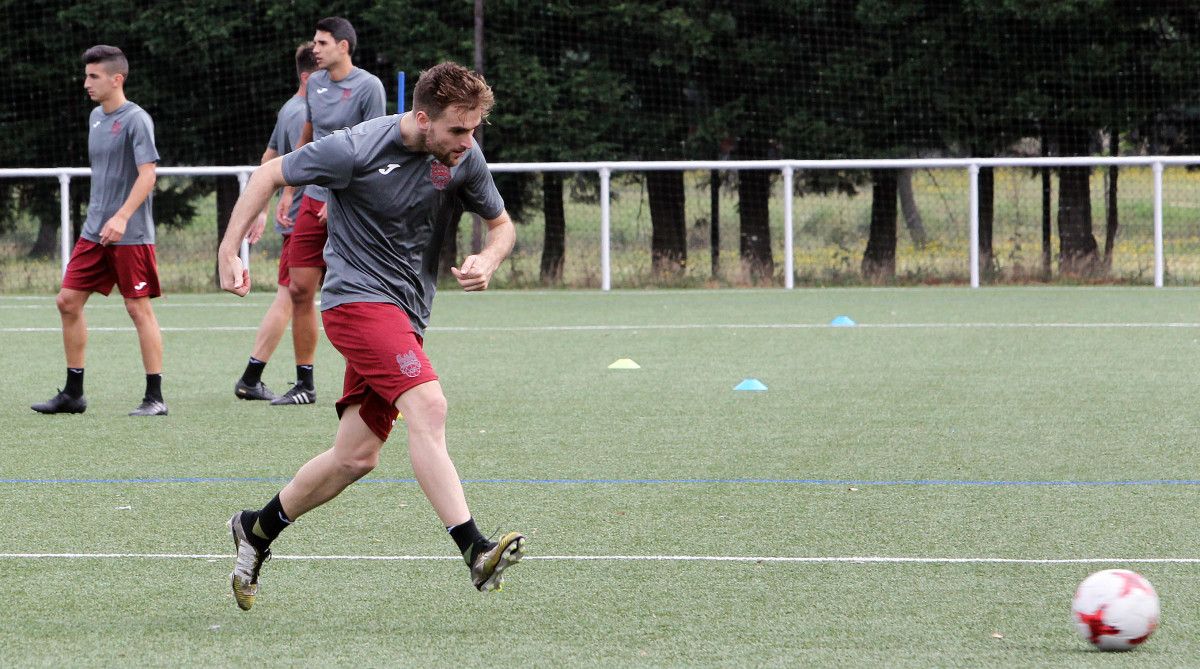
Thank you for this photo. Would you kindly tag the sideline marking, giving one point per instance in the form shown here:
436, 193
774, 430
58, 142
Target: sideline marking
712, 481
685, 326
872, 559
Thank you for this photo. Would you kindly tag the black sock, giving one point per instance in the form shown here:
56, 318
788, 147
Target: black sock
154, 387
262, 527
469, 539
254, 370
74, 382
304, 376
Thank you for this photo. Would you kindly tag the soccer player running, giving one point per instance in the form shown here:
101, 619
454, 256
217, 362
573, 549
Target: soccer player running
339, 95
289, 124
394, 183
117, 240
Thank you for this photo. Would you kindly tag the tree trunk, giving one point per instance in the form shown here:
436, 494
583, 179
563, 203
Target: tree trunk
879, 260
668, 242
227, 195
1046, 200
987, 217
754, 239
714, 221
1110, 201
554, 241
908, 207
41, 200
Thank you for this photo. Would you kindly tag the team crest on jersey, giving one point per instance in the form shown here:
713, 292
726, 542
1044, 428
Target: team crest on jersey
116, 127
345, 94
410, 366
439, 174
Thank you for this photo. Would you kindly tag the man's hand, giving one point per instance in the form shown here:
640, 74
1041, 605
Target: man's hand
256, 230
233, 278
114, 229
476, 272
282, 209
323, 215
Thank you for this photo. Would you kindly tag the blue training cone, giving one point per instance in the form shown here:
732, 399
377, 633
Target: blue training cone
843, 322
750, 384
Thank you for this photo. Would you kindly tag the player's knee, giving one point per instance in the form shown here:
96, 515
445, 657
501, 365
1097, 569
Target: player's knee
68, 305
359, 465
300, 292
428, 411
138, 309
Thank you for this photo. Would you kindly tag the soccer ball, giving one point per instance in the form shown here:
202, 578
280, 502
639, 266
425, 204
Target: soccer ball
1115, 609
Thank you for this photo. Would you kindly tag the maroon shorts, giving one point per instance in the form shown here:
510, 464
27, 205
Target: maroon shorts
95, 268
384, 359
283, 277
308, 236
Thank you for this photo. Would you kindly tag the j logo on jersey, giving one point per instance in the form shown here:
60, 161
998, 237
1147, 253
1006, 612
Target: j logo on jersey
409, 365
439, 174
116, 127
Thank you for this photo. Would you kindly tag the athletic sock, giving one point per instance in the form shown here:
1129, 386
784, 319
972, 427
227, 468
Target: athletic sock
254, 370
154, 387
469, 539
304, 376
74, 382
262, 527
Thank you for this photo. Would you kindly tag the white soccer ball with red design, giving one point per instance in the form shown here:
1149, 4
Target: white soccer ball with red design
1115, 609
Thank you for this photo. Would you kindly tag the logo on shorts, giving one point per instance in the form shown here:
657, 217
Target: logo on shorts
439, 174
410, 366
139, 285
116, 127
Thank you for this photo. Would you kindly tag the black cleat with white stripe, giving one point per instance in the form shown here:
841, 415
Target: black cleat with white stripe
297, 394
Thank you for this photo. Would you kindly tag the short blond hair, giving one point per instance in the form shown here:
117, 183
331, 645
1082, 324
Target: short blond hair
447, 85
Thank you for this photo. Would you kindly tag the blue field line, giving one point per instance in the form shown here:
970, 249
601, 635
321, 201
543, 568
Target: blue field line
663, 481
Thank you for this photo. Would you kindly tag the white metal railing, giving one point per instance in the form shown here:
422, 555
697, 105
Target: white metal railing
786, 168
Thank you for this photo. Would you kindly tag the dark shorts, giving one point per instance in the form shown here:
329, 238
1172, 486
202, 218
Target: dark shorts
283, 277
95, 268
308, 236
384, 359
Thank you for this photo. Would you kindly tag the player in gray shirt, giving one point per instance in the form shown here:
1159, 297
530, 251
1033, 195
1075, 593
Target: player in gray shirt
117, 240
339, 95
289, 125
394, 183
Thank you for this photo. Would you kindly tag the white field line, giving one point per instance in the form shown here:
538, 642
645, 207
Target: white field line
622, 558
683, 326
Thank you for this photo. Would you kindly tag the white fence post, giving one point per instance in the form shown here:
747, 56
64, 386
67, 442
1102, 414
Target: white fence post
789, 273
605, 228
973, 172
1157, 168
243, 177
64, 212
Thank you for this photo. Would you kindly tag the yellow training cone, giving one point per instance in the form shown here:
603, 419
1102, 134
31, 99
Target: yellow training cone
624, 363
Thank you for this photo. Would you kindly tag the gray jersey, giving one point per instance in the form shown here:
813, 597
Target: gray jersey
333, 105
289, 123
117, 144
388, 211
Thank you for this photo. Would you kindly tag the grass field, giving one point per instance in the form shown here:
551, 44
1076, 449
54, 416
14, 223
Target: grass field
1050, 428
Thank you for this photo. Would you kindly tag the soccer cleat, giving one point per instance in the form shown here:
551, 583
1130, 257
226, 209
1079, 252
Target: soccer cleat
258, 391
62, 403
487, 571
150, 407
297, 394
249, 561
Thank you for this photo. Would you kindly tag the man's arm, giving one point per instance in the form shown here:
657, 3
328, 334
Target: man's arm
258, 191
114, 228
289, 192
477, 270
260, 223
